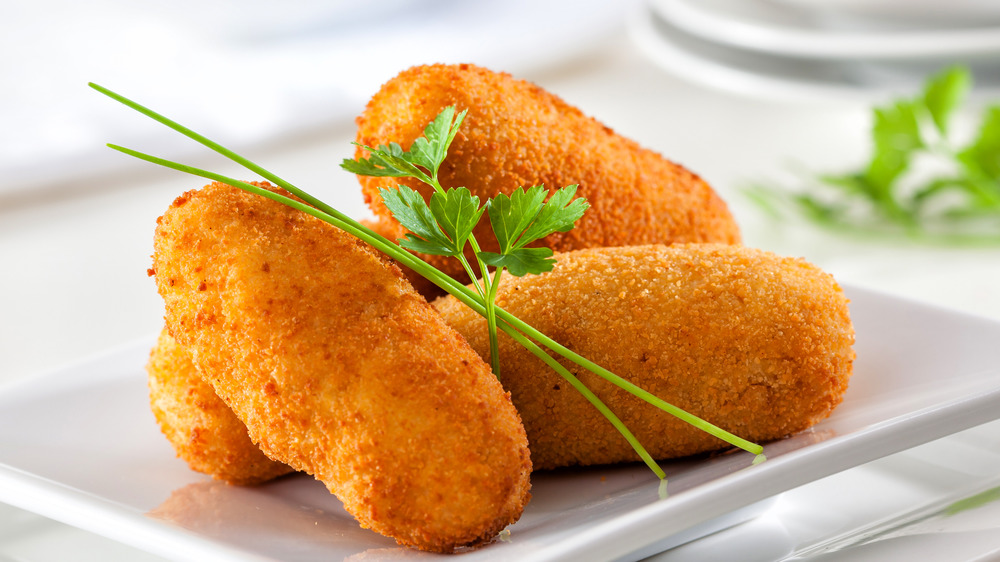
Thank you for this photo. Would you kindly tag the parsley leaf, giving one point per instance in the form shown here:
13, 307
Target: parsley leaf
511, 215
408, 207
524, 216
896, 135
423, 159
385, 161
457, 212
559, 214
430, 150
982, 156
521, 261
944, 94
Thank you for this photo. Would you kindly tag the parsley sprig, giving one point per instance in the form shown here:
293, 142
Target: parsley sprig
895, 192
414, 163
443, 226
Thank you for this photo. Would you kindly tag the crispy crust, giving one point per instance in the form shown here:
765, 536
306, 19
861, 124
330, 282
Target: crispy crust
758, 344
201, 427
339, 369
389, 229
518, 135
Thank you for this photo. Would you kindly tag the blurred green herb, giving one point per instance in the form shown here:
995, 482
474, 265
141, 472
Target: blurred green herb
973, 502
919, 182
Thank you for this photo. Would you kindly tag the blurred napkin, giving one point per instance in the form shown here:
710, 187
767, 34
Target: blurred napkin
241, 71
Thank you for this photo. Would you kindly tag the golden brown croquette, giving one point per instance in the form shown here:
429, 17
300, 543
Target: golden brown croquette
757, 344
518, 135
338, 368
202, 429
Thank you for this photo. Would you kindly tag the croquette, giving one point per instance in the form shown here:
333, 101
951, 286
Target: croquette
202, 429
338, 368
387, 228
516, 134
757, 344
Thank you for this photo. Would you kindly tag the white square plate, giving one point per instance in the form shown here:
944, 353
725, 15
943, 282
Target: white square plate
81, 446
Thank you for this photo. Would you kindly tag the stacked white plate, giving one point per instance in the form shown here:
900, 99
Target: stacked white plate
819, 49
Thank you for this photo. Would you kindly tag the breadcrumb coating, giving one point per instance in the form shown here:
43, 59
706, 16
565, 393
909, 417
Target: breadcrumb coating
388, 229
516, 134
757, 344
339, 369
201, 427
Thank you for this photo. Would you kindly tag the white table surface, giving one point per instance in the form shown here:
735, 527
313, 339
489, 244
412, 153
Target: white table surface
73, 259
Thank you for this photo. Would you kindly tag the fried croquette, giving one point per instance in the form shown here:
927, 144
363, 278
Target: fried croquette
202, 429
518, 135
757, 344
338, 368
387, 228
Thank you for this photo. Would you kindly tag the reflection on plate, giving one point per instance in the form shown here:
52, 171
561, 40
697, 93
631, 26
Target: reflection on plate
80, 446
787, 78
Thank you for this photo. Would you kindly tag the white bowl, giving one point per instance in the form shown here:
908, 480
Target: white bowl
922, 12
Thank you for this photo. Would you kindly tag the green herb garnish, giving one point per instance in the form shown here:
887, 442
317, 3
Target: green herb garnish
459, 207
443, 227
973, 502
895, 193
